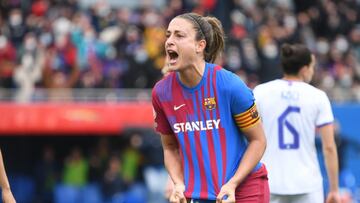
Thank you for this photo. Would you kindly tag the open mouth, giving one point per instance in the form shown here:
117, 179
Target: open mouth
172, 56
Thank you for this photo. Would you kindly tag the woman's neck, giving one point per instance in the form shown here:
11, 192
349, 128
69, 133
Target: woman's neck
293, 78
191, 76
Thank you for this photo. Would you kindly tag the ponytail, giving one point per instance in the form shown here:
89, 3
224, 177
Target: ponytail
294, 57
217, 44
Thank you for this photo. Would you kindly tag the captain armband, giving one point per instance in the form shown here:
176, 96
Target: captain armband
248, 118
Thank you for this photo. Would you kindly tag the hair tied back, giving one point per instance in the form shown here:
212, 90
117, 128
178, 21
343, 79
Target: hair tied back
287, 50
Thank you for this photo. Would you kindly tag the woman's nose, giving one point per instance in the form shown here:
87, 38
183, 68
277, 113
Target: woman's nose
169, 42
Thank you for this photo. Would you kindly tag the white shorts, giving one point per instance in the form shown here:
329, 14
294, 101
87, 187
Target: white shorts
313, 197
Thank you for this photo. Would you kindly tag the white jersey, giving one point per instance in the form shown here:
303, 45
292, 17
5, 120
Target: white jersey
290, 112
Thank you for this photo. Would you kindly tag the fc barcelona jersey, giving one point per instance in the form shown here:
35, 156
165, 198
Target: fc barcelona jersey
207, 121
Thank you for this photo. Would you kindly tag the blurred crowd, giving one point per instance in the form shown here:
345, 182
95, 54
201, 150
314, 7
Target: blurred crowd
125, 169
62, 44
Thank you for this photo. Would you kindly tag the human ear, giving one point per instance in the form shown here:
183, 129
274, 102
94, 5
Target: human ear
200, 46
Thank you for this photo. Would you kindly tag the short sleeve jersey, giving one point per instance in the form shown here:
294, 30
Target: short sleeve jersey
208, 122
290, 112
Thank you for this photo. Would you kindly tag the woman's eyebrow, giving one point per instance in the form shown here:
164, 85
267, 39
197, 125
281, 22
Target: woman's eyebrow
175, 31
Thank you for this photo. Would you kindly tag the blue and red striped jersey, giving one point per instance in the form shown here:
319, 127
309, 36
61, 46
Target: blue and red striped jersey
207, 121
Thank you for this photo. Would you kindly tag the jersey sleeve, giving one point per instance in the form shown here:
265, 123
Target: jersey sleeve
161, 124
325, 115
243, 107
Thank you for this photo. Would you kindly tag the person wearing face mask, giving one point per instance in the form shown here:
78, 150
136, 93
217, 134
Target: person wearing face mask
291, 111
7, 62
29, 71
210, 130
17, 27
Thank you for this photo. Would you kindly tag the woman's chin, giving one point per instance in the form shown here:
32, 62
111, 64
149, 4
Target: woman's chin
173, 67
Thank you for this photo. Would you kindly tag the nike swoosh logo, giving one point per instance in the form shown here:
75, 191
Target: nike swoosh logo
178, 107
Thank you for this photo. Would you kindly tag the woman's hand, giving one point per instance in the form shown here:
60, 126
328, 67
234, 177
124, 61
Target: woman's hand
177, 195
7, 196
227, 193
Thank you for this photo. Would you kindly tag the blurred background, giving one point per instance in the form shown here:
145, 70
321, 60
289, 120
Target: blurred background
76, 78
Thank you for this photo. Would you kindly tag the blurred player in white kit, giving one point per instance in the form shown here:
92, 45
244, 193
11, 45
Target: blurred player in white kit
292, 111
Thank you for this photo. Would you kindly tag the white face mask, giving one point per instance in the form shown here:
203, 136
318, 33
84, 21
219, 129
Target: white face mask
3, 41
45, 39
234, 59
322, 47
60, 41
30, 44
151, 19
270, 50
346, 80
103, 10
110, 53
141, 56
342, 44
27, 61
89, 36
15, 19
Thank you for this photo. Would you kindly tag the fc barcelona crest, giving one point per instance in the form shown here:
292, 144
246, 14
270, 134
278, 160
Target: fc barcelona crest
210, 103
254, 113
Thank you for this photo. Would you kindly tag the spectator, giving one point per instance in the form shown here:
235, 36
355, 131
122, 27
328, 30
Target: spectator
7, 61
98, 160
75, 169
134, 55
113, 184
30, 68
46, 175
132, 160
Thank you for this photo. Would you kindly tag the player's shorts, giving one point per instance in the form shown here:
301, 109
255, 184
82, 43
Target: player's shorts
316, 196
254, 189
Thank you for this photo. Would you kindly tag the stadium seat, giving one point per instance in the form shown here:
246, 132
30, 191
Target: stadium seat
91, 194
67, 194
23, 188
136, 194
118, 198
347, 178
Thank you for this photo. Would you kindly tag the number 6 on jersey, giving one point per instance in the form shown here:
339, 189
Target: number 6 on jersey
283, 123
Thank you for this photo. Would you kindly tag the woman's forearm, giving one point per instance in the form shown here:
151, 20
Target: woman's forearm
252, 155
331, 164
173, 165
4, 182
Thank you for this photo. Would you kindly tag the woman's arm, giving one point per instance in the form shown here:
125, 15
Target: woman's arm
7, 195
331, 161
173, 164
255, 150
257, 143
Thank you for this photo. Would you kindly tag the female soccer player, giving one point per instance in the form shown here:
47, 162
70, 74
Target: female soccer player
7, 195
210, 129
291, 111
